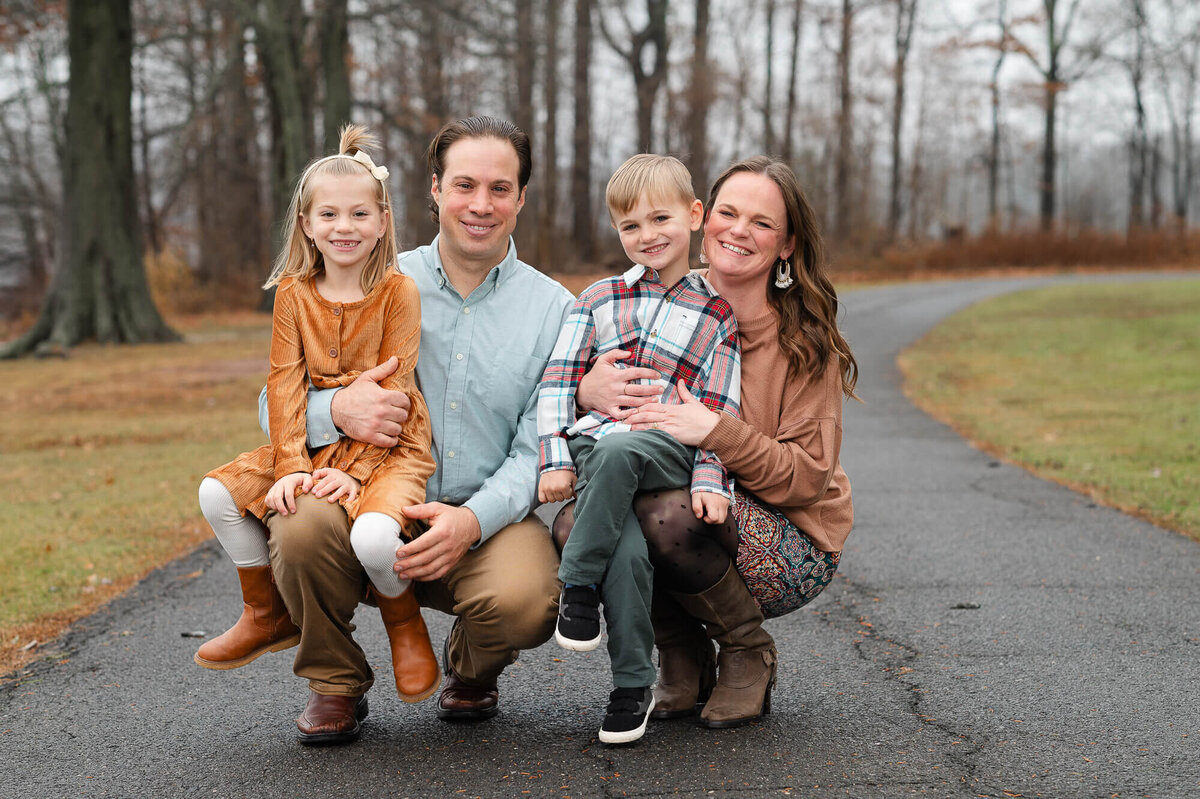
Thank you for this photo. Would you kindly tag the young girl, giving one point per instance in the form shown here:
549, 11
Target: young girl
340, 308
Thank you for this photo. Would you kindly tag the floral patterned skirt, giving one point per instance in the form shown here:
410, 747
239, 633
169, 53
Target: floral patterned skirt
781, 566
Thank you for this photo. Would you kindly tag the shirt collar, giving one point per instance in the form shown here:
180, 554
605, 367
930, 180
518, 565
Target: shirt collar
497, 273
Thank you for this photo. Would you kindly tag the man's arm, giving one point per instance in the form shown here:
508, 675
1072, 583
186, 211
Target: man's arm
363, 410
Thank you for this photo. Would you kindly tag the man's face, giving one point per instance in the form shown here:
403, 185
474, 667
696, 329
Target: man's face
478, 201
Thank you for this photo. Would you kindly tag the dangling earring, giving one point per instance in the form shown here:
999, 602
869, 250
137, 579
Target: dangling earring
783, 273
703, 256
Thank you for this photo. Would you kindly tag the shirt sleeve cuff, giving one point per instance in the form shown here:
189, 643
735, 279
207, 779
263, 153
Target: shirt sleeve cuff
321, 429
489, 513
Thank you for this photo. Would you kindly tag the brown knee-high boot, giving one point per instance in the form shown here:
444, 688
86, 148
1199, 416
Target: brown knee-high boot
414, 665
746, 663
264, 625
687, 667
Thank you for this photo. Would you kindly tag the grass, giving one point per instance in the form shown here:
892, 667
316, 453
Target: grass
1093, 386
103, 453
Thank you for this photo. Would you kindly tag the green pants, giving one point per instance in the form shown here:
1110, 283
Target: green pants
606, 545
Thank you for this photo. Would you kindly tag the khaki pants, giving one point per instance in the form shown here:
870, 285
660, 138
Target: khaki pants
505, 593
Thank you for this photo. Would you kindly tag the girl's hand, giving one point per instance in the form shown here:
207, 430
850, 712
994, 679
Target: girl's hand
556, 485
689, 423
282, 496
334, 484
711, 508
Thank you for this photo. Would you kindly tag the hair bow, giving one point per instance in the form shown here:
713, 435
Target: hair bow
380, 173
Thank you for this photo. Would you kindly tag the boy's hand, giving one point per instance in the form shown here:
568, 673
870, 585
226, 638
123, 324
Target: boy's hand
556, 485
282, 496
334, 484
711, 508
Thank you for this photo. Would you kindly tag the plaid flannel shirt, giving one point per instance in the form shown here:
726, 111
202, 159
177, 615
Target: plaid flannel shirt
686, 332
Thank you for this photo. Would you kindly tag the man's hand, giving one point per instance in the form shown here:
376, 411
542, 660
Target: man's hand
282, 496
452, 531
711, 508
609, 389
368, 412
556, 485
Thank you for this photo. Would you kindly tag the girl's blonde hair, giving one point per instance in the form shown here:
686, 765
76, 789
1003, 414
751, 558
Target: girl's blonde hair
297, 257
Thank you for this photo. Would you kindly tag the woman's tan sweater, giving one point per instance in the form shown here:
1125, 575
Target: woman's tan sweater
785, 448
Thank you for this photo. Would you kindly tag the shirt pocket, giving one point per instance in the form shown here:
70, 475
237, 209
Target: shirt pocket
671, 340
513, 381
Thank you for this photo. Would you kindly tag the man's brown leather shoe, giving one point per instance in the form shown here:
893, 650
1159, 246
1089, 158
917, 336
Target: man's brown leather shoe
331, 719
461, 701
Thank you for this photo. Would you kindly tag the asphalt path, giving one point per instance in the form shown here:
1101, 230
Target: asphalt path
989, 634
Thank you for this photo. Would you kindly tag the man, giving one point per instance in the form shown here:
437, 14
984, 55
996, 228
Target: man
489, 323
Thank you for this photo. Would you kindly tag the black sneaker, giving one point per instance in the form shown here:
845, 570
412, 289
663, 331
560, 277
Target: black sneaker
578, 626
626, 716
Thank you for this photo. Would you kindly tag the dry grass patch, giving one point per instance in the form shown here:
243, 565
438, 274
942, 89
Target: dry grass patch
103, 452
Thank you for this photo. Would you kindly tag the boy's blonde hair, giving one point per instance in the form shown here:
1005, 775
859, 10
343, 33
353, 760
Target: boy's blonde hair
659, 178
297, 257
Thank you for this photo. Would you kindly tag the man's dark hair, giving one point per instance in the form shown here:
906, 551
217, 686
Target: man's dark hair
478, 128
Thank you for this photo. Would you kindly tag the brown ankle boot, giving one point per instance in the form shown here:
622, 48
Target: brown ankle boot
687, 668
413, 662
264, 626
746, 663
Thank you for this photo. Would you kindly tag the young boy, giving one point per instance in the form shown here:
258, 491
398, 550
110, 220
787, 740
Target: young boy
673, 322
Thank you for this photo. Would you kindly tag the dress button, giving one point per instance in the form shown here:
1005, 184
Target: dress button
337, 311
332, 352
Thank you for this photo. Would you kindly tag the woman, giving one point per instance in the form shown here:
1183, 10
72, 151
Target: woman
792, 510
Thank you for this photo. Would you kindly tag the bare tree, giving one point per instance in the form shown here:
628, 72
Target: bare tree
906, 15
1179, 70
1058, 73
334, 33
100, 291
789, 118
1002, 45
547, 229
844, 153
769, 84
649, 40
582, 224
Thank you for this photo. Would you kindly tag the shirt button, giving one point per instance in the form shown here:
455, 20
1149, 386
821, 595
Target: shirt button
458, 357
337, 311
454, 406
332, 352
450, 454
466, 310
325, 436
446, 498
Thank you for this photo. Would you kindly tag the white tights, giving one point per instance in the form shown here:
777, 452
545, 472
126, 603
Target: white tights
374, 537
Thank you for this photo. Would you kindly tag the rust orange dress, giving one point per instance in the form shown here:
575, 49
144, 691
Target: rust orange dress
331, 343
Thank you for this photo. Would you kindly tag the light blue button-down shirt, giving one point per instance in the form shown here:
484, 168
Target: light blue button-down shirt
480, 362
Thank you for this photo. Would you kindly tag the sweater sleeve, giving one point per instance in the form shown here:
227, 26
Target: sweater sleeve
794, 468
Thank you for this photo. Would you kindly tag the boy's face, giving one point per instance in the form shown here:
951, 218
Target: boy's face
657, 233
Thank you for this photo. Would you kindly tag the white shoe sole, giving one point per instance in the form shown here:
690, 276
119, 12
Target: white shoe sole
629, 736
577, 646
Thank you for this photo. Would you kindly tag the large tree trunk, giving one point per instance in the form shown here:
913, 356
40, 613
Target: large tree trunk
646, 83
582, 223
768, 122
700, 96
789, 117
994, 149
525, 63
335, 48
100, 290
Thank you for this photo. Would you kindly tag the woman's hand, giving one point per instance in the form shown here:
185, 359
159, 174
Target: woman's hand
689, 423
334, 484
610, 389
710, 508
556, 485
282, 496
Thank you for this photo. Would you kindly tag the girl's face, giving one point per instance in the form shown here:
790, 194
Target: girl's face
344, 220
746, 230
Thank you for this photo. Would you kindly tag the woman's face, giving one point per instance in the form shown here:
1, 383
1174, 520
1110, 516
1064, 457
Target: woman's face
746, 231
